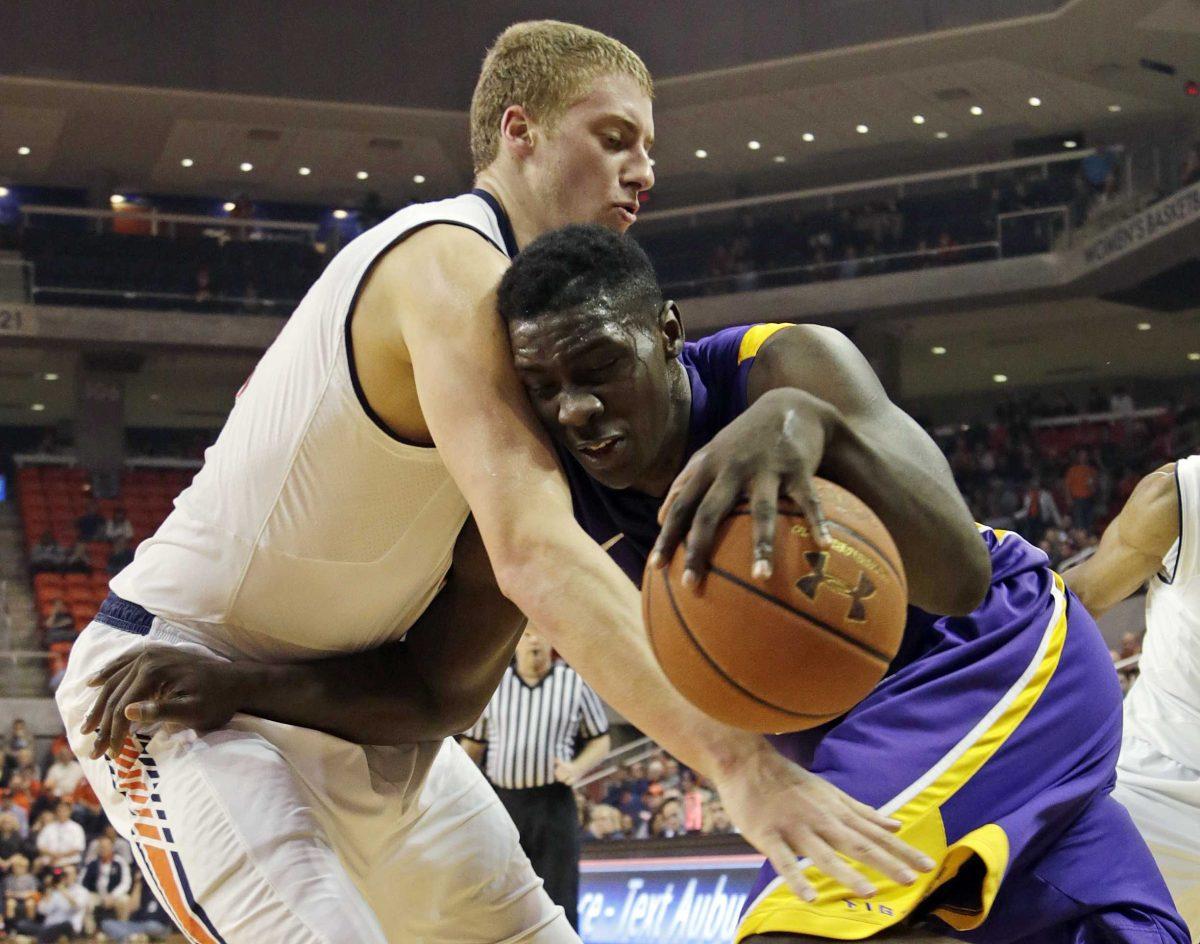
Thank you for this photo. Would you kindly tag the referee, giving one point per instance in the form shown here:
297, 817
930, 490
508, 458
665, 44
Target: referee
526, 740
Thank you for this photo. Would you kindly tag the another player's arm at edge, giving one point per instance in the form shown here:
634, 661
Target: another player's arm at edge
1133, 545
882, 455
488, 436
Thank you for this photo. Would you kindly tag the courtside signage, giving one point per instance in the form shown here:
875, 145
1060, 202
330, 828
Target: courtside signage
673, 900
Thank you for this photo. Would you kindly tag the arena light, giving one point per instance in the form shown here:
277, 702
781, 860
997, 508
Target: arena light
754, 145
861, 129
701, 153
1070, 144
246, 167
340, 214
1114, 108
186, 162
23, 151
1191, 90
229, 206
976, 110
1144, 326
116, 200
50, 377
420, 178
1194, 356
1000, 378
362, 175
779, 159
942, 135
1035, 102
37, 407
918, 119
305, 171
653, 162
155, 397
937, 349
3, 192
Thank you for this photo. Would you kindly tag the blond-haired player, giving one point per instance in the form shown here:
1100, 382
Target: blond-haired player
323, 525
1156, 539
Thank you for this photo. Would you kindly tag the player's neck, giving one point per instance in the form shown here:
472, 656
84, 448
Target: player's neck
671, 457
514, 199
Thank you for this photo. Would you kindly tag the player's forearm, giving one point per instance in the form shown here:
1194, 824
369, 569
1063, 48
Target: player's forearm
590, 612
907, 483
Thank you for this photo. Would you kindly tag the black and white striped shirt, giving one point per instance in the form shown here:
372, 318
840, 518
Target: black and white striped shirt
527, 727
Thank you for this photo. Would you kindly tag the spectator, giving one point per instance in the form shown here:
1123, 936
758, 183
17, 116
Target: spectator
121, 848
23, 794
1038, 511
668, 820
63, 907
1121, 402
22, 763
63, 775
78, 560
20, 892
120, 558
119, 527
18, 735
147, 917
108, 882
91, 524
1082, 483
603, 823
1190, 171
47, 556
59, 625
9, 807
716, 820
62, 841
12, 843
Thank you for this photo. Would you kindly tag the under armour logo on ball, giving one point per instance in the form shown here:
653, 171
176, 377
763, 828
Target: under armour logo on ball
810, 584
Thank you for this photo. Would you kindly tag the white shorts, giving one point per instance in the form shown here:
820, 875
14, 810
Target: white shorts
266, 833
1163, 797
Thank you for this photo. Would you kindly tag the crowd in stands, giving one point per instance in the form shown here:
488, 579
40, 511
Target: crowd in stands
64, 871
651, 798
771, 246
216, 268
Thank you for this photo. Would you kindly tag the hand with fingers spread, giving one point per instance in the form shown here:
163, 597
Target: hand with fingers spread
788, 814
772, 450
161, 684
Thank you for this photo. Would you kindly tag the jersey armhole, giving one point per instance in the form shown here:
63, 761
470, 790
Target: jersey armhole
359, 393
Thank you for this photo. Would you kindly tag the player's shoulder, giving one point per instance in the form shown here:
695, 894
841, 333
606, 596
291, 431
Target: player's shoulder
1156, 495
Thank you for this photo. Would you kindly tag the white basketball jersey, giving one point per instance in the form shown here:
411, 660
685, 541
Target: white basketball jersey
1163, 707
311, 528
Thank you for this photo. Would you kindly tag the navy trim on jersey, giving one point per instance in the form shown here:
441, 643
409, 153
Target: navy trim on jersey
1179, 549
362, 282
124, 615
506, 230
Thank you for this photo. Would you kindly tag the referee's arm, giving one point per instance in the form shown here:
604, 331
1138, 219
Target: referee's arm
474, 740
593, 729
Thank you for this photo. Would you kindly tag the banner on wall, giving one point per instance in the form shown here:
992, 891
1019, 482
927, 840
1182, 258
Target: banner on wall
670, 899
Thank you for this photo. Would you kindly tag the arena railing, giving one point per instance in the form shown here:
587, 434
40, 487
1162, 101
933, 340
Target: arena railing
165, 224
16, 280
895, 187
619, 757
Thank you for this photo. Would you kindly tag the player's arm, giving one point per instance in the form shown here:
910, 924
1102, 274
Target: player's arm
421, 688
490, 440
1132, 547
817, 407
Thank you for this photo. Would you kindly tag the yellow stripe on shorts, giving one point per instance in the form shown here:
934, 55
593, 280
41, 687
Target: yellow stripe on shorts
836, 913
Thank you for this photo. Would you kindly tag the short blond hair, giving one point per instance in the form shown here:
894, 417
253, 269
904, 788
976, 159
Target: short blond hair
545, 66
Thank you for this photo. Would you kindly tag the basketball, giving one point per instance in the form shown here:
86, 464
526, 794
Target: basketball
793, 651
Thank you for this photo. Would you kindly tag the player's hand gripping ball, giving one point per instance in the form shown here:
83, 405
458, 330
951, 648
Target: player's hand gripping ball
797, 649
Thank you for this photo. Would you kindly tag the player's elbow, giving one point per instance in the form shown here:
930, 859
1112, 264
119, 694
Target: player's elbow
966, 589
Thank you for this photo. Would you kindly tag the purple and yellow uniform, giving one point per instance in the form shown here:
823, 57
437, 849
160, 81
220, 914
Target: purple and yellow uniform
993, 739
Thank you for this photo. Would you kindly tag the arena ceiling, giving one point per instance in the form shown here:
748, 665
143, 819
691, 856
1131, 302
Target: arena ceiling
120, 103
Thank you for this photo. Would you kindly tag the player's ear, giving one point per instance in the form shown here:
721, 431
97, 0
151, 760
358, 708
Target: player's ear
670, 326
516, 131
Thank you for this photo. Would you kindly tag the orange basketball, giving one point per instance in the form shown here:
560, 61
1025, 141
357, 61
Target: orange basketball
793, 651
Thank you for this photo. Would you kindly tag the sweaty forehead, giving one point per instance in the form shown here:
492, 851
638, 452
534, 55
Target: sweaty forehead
565, 335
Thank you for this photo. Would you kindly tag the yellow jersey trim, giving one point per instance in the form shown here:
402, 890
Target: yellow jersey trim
755, 337
837, 913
